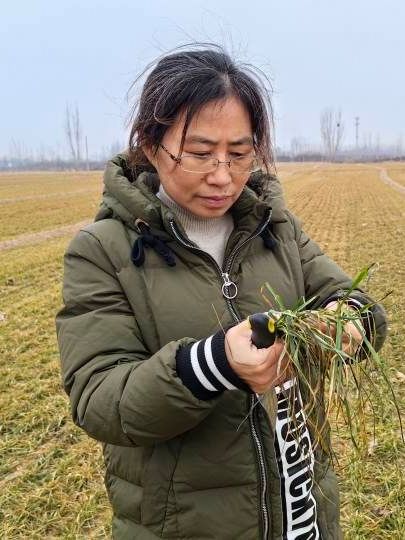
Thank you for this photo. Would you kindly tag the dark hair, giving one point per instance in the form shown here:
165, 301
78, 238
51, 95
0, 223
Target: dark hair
186, 80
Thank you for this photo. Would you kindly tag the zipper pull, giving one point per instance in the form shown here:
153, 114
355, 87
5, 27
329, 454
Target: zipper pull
229, 288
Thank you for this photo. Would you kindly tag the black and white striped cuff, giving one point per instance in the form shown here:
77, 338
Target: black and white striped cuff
204, 368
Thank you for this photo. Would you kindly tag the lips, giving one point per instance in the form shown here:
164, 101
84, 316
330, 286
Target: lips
216, 197
216, 201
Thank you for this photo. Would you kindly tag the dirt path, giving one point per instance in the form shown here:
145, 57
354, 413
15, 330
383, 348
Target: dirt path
42, 236
390, 182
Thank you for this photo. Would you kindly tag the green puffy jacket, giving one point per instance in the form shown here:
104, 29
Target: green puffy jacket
178, 467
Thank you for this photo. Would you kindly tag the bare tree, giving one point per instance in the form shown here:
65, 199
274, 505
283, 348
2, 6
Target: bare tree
332, 129
18, 150
78, 134
115, 148
69, 133
298, 147
73, 131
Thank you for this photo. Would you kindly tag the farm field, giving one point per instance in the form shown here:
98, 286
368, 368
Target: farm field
51, 474
34, 202
397, 173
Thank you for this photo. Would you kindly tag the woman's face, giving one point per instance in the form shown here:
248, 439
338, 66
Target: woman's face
221, 129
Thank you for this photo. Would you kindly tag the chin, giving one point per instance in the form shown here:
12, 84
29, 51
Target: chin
210, 212
210, 209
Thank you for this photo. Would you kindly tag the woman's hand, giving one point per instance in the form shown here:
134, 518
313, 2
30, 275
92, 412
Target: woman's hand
352, 336
261, 369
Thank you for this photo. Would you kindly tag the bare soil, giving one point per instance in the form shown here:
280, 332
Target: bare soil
42, 236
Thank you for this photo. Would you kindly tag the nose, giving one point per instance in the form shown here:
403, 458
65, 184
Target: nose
221, 176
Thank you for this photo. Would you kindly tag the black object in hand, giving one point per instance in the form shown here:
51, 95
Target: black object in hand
264, 330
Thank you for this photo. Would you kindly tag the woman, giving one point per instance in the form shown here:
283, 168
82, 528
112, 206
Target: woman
156, 353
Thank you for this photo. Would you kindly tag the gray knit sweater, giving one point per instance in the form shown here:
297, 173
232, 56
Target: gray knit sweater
209, 234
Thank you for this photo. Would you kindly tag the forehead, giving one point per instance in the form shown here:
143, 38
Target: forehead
226, 120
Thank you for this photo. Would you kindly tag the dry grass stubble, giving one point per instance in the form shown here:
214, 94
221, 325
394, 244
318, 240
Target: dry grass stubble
359, 220
51, 473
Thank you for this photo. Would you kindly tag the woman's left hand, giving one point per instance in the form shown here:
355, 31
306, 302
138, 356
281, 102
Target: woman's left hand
352, 336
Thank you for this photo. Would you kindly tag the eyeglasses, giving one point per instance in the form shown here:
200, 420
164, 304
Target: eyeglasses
207, 163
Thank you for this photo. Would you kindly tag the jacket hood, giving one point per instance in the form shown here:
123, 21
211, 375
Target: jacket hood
130, 194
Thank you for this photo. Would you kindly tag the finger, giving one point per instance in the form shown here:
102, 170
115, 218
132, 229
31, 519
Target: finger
275, 351
355, 332
352, 333
350, 343
244, 330
332, 306
327, 329
280, 358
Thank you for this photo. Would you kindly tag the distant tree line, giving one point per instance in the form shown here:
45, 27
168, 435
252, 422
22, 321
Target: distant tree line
332, 132
331, 148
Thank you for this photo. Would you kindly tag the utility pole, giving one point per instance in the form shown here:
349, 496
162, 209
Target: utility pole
87, 155
357, 124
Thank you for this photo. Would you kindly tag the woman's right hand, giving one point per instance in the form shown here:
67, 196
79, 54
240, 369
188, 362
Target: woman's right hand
261, 369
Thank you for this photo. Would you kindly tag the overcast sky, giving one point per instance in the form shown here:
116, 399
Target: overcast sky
346, 54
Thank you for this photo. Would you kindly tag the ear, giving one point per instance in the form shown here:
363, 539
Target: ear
150, 153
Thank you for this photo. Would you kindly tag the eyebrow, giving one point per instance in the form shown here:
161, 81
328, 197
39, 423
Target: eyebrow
204, 140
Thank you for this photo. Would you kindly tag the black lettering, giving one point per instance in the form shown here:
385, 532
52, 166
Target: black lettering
303, 464
297, 408
282, 404
282, 415
297, 485
310, 535
301, 506
292, 453
305, 445
284, 394
299, 417
295, 451
305, 523
292, 432
287, 404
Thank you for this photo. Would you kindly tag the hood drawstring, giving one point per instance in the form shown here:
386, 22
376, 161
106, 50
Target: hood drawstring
268, 237
148, 239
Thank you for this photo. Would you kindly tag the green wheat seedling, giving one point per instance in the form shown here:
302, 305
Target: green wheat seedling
346, 386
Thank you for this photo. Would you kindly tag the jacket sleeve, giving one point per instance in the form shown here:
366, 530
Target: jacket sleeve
325, 281
119, 392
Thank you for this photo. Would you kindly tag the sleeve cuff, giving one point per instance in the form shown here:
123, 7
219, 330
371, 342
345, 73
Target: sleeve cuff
204, 368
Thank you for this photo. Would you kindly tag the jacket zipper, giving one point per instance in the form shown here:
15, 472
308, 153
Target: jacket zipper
230, 291
262, 467
229, 288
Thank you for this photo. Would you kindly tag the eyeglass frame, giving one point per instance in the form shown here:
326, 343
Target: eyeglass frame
178, 161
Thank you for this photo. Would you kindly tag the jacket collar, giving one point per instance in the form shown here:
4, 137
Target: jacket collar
130, 195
